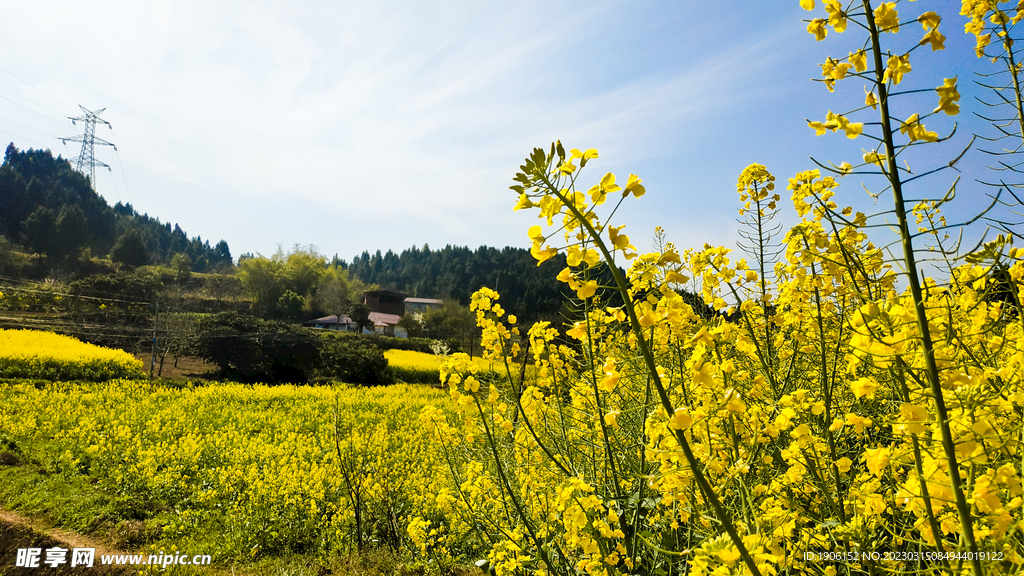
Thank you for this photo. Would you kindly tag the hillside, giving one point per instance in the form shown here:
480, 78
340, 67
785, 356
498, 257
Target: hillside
53, 212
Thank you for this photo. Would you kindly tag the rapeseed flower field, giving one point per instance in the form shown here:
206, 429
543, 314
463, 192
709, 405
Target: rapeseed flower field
419, 367
245, 471
46, 355
413, 359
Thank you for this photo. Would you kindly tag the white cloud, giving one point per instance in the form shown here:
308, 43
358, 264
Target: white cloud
247, 120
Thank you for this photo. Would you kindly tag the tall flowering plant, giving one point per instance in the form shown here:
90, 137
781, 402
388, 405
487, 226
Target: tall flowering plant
826, 408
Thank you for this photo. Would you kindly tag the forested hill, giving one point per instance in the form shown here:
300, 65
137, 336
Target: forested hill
455, 272
50, 209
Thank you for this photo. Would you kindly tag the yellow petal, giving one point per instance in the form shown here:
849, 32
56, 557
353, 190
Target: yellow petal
680, 420
587, 290
633, 185
524, 202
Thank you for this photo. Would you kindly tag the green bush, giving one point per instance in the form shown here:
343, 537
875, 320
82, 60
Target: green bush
387, 342
251, 349
352, 360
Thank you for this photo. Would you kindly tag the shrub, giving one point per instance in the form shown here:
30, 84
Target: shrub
352, 360
126, 285
250, 349
389, 342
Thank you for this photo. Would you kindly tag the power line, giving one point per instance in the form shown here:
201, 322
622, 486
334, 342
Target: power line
120, 165
31, 110
11, 74
22, 137
31, 101
108, 298
117, 192
29, 127
27, 58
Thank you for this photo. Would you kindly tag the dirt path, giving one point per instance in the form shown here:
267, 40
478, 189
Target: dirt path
17, 531
72, 539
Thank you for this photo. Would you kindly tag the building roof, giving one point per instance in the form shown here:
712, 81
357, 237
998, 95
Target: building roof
330, 320
423, 301
383, 292
382, 319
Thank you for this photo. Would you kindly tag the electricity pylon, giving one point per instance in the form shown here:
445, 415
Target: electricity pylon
86, 162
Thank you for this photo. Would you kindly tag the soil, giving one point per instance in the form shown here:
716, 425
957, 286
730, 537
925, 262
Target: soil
17, 531
188, 368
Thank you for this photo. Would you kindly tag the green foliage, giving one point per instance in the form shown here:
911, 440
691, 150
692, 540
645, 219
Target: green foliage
251, 349
54, 211
352, 360
182, 267
336, 291
14, 262
303, 270
455, 272
129, 249
410, 375
40, 230
261, 281
290, 304
412, 324
72, 231
360, 314
389, 342
137, 285
221, 287
300, 282
452, 322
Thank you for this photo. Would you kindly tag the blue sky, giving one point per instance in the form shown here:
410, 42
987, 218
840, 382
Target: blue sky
379, 125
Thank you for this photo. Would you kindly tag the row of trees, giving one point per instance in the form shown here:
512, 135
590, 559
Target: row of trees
300, 283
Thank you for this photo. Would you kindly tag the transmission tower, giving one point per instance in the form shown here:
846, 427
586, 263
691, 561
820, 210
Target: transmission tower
86, 162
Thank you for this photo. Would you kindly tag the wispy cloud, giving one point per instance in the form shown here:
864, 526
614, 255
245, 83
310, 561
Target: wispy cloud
402, 123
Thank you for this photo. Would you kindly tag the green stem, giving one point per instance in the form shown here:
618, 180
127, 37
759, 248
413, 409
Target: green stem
666, 403
931, 368
508, 489
1012, 65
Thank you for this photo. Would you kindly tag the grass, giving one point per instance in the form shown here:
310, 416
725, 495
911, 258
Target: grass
70, 501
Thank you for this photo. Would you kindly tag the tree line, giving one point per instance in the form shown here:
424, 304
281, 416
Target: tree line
455, 272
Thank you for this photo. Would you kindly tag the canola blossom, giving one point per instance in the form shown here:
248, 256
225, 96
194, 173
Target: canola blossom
824, 396
410, 366
422, 360
46, 355
801, 418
